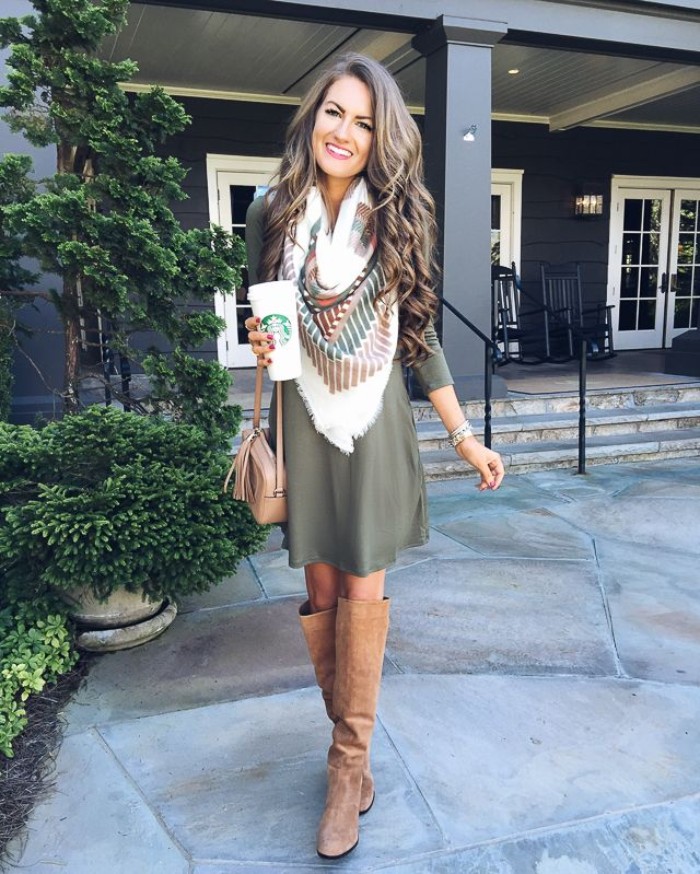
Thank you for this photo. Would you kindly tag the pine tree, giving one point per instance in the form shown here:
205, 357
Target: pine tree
103, 222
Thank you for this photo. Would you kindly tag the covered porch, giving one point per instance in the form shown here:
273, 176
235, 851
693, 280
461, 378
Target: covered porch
521, 113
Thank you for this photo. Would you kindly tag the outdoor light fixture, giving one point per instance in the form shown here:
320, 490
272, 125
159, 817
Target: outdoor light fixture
589, 201
470, 134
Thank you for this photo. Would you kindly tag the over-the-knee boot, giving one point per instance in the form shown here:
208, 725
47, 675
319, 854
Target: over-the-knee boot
319, 632
361, 631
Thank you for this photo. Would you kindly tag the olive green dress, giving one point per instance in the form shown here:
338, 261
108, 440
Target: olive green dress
357, 511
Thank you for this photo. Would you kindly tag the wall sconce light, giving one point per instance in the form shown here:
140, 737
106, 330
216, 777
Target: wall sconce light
470, 134
589, 201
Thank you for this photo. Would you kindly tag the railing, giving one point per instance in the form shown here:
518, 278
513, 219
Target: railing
582, 372
491, 354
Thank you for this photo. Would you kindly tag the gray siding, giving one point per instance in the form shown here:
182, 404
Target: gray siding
555, 162
222, 127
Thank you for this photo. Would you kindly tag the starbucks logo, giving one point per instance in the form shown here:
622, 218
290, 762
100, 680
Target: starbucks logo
279, 326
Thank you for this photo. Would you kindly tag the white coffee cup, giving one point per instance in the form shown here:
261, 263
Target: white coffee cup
274, 303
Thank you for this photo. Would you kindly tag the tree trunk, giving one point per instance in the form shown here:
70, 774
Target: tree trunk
66, 161
71, 369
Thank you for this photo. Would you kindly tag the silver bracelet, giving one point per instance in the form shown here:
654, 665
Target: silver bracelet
460, 433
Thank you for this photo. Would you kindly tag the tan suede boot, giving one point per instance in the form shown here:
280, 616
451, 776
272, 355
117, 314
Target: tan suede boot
361, 631
319, 632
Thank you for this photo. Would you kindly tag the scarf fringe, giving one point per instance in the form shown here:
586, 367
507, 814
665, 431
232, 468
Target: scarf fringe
355, 436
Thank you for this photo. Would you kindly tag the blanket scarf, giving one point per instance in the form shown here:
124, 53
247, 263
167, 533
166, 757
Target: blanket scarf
348, 341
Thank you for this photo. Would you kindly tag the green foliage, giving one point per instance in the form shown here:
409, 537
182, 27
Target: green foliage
104, 222
15, 187
35, 649
6, 346
191, 391
109, 499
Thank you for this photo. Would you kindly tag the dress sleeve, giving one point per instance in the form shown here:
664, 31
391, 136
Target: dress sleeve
254, 228
433, 373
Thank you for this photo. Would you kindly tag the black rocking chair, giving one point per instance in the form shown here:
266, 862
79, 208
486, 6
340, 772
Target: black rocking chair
562, 295
520, 332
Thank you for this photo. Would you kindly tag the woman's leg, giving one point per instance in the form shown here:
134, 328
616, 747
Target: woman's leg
369, 588
323, 586
324, 583
362, 623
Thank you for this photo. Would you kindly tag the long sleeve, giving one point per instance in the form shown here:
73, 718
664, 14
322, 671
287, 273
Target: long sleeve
254, 224
433, 373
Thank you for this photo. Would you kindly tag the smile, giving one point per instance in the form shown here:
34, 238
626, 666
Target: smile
337, 152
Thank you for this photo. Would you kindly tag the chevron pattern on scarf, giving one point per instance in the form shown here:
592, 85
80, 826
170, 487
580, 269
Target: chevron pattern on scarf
348, 332
348, 341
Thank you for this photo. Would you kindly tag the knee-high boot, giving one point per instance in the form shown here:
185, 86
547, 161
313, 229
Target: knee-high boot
319, 632
361, 631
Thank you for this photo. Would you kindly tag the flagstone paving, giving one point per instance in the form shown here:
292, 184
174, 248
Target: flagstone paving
538, 715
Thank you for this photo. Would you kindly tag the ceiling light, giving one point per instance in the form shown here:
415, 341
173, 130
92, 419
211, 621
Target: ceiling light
513, 72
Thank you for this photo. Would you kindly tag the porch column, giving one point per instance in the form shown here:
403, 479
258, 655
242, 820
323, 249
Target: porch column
457, 144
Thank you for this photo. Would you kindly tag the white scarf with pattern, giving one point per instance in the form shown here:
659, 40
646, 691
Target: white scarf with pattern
348, 341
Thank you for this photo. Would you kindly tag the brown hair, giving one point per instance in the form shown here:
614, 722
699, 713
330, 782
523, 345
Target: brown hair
404, 209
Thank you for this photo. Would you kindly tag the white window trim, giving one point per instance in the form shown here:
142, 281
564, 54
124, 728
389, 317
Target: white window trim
514, 180
655, 182
230, 164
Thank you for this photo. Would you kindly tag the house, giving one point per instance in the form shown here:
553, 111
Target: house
525, 105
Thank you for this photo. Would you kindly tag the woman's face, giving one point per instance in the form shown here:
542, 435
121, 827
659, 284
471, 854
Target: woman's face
342, 135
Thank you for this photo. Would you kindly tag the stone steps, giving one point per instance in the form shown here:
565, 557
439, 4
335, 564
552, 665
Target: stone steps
547, 455
541, 432
567, 402
547, 427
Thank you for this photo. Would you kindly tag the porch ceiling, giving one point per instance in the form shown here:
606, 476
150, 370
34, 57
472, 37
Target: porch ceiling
233, 56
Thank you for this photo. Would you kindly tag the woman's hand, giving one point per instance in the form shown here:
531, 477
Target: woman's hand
486, 461
261, 344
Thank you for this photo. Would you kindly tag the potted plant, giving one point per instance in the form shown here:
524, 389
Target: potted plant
111, 501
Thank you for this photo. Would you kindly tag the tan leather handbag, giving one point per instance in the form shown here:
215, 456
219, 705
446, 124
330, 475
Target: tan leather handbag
260, 477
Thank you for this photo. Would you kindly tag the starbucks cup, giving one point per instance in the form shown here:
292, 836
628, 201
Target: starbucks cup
274, 303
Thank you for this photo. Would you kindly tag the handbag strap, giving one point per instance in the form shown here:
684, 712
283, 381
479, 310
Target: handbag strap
279, 453
258, 396
279, 443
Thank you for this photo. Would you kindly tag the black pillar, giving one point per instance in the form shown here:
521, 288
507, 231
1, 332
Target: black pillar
457, 142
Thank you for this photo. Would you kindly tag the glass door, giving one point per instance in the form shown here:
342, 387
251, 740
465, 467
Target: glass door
684, 268
638, 281
654, 263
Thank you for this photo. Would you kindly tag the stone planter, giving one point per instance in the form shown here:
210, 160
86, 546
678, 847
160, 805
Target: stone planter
124, 620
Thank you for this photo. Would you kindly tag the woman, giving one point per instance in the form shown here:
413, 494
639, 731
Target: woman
351, 220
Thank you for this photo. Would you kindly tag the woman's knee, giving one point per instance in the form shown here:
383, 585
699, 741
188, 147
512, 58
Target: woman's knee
323, 585
369, 588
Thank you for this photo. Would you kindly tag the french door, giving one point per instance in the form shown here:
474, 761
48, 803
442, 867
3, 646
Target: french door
234, 182
654, 262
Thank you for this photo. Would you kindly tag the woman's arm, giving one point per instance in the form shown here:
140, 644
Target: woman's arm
434, 376
487, 462
261, 344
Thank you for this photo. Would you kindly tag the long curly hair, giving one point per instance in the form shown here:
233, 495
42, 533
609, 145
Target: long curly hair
404, 209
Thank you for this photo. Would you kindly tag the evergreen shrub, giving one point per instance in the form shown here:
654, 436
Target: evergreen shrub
109, 499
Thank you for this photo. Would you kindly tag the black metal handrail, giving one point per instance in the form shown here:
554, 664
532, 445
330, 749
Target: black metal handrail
582, 370
491, 354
